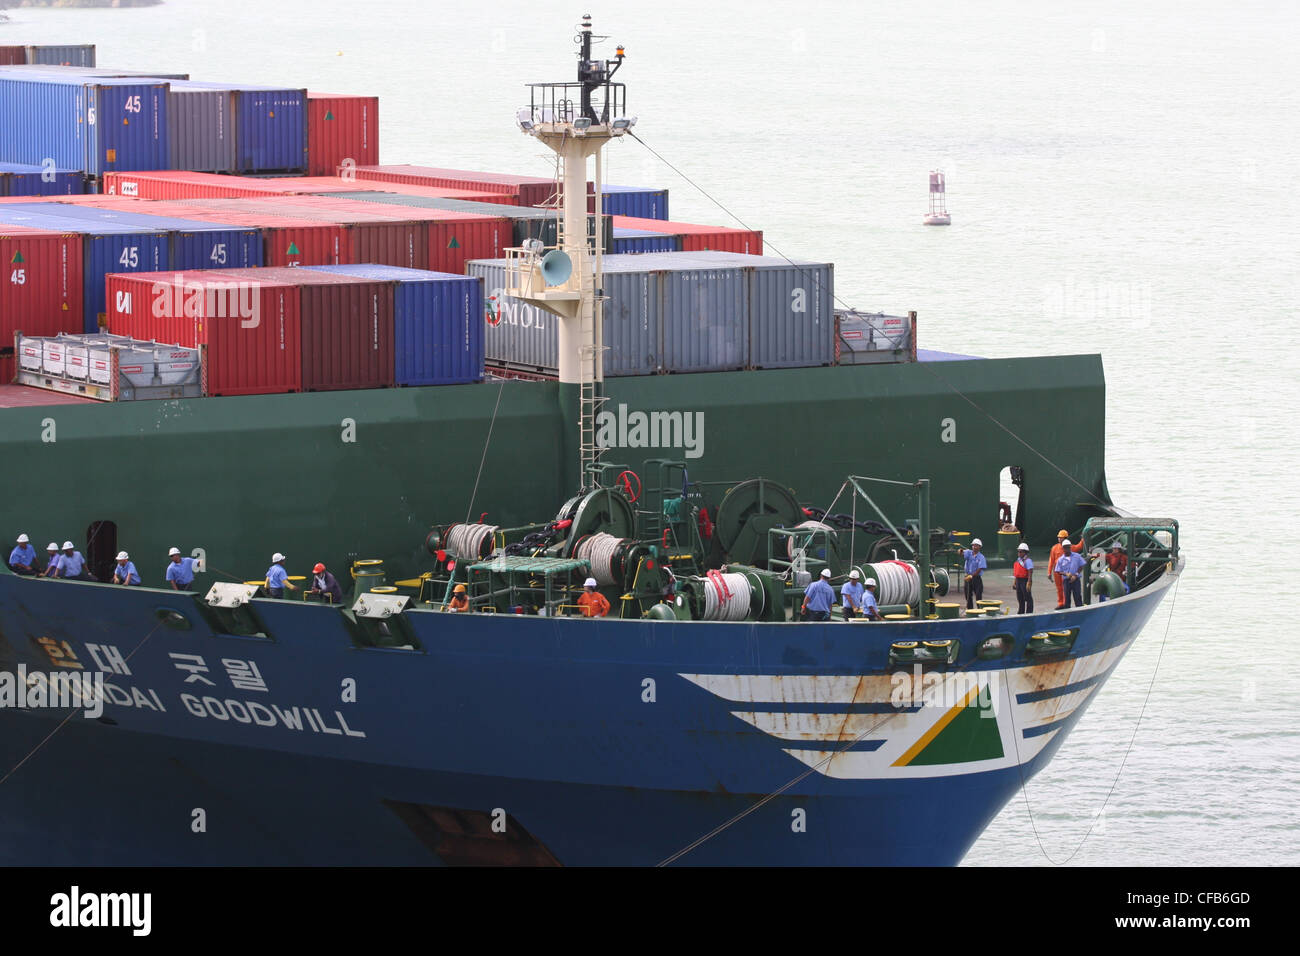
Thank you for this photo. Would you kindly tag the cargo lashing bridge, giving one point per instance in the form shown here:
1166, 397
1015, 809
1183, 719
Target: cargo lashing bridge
575, 120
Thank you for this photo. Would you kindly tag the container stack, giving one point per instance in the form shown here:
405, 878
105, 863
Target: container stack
307, 329
634, 201
343, 132
23, 179
677, 312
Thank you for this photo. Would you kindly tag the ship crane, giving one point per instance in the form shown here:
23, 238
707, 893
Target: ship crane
575, 120
938, 201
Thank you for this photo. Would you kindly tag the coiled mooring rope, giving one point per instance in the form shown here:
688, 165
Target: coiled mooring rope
599, 550
465, 541
726, 597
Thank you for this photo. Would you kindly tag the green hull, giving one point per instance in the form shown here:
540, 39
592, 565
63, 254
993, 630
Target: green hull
336, 476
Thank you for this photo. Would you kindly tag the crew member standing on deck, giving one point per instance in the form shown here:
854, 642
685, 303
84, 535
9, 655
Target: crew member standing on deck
818, 598
277, 578
870, 609
1069, 567
53, 563
22, 559
851, 595
1023, 570
125, 572
592, 602
325, 586
976, 565
72, 565
180, 571
1059, 549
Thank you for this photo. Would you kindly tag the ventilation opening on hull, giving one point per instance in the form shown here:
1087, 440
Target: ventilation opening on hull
101, 549
461, 837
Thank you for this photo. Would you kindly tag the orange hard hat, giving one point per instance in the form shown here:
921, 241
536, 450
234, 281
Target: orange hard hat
1062, 533
459, 589
318, 569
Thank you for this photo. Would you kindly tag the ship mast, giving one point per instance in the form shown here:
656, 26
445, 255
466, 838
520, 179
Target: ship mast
576, 120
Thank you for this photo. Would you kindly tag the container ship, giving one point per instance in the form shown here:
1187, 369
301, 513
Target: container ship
472, 518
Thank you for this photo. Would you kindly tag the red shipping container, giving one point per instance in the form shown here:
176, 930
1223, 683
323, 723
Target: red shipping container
181, 184
700, 238
364, 236
347, 328
41, 287
531, 190
249, 322
16, 56
341, 129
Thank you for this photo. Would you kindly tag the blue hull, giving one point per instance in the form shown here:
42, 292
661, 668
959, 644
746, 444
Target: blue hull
544, 726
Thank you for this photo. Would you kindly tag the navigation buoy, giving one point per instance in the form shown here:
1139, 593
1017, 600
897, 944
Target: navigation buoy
938, 205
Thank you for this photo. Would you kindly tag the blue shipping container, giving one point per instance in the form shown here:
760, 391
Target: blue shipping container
437, 323
96, 124
637, 241
191, 244
636, 201
24, 179
270, 126
105, 248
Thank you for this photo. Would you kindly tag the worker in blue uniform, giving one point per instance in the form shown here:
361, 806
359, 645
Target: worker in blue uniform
818, 598
180, 570
72, 565
870, 609
851, 595
22, 559
277, 578
53, 561
1070, 568
125, 572
976, 565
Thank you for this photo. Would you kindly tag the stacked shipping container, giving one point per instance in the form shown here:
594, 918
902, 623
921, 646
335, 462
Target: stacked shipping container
696, 238
252, 329
341, 131
24, 179
98, 124
437, 323
680, 312
531, 190
41, 291
632, 201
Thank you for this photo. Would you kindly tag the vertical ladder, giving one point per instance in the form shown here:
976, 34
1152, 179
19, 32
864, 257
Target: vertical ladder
590, 399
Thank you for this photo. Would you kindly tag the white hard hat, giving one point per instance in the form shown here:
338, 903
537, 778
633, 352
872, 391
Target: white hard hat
277, 558
22, 539
69, 546
589, 583
123, 556
869, 583
1023, 547
854, 574
1065, 542
173, 551
826, 572
52, 547
977, 543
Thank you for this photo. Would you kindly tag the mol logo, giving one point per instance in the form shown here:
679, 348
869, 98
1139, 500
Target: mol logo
209, 299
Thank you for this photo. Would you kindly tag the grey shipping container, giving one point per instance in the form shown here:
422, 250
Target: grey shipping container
680, 312
522, 335
76, 54
200, 130
791, 312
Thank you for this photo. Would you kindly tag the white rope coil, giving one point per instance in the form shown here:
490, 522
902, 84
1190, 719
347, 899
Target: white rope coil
599, 550
466, 541
896, 583
734, 605
806, 525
